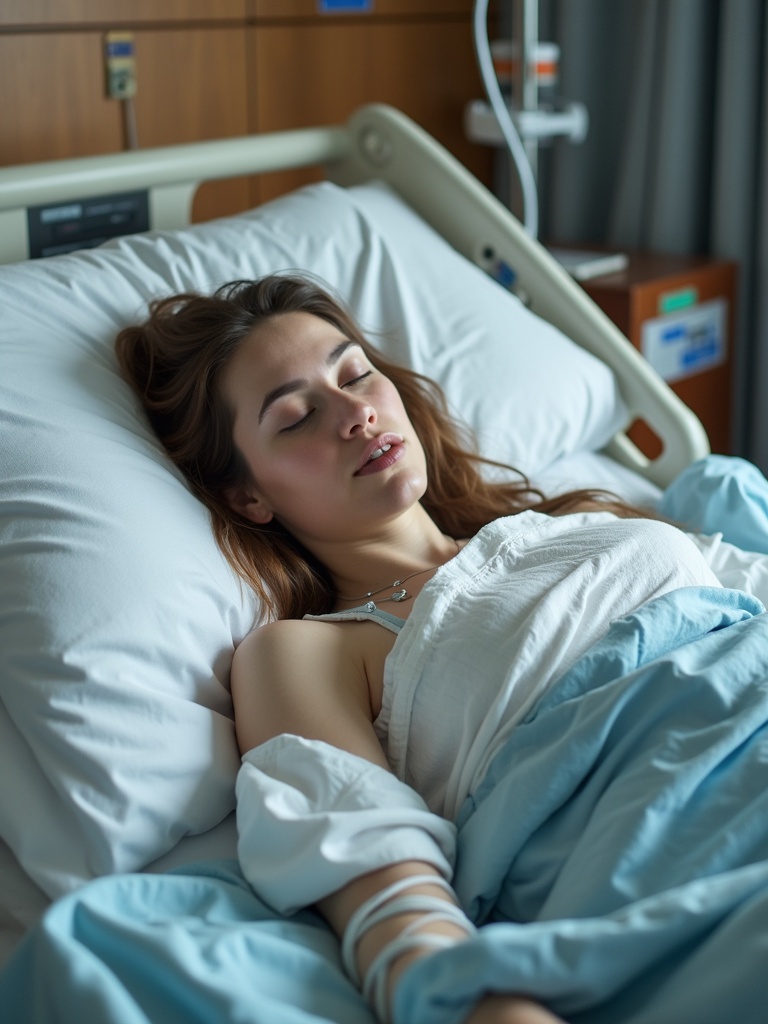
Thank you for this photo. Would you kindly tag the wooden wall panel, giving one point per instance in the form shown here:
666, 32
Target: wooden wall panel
54, 105
216, 68
319, 72
120, 12
386, 8
192, 85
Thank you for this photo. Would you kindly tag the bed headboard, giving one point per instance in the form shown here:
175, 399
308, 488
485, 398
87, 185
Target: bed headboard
377, 142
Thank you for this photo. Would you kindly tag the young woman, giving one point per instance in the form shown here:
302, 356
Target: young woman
340, 489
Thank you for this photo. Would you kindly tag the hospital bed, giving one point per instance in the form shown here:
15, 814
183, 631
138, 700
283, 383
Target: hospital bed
118, 615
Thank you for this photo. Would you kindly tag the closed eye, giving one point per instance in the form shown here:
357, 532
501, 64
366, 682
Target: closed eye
357, 380
298, 424
349, 384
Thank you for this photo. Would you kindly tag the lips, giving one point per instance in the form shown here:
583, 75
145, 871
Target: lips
382, 447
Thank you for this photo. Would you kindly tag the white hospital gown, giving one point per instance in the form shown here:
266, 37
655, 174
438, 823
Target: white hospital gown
503, 620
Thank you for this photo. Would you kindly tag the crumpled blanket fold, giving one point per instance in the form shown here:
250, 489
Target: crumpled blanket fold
622, 833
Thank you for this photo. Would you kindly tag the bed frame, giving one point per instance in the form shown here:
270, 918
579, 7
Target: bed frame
378, 142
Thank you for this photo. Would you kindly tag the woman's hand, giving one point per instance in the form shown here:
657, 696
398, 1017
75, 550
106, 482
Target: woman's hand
511, 1010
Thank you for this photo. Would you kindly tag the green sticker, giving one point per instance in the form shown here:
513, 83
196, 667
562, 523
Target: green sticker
670, 302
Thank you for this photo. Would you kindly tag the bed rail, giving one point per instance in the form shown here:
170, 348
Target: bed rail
172, 175
378, 142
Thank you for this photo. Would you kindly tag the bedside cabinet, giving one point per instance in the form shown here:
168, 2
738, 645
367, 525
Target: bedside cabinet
679, 311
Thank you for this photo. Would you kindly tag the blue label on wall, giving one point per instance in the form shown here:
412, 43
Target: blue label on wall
687, 341
342, 6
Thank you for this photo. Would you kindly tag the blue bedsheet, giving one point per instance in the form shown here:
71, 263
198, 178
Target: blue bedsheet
626, 823
624, 827
189, 947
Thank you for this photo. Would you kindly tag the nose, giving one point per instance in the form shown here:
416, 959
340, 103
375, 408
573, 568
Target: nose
355, 415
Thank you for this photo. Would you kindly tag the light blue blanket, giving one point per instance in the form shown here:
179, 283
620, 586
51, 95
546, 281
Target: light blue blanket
626, 824
191, 947
624, 827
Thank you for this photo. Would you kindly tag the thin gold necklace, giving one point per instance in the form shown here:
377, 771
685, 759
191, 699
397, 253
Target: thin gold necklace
399, 592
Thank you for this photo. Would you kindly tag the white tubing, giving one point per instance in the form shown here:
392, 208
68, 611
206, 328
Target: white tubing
503, 116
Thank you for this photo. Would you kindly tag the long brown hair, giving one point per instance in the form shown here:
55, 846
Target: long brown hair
174, 361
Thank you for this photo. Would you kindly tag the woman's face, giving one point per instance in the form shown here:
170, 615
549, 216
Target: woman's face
328, 442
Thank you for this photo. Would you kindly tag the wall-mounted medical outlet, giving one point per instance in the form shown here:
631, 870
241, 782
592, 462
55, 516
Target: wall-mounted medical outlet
120, 64
57, 228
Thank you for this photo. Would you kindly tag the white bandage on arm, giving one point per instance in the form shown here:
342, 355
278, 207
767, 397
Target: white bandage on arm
389, 903
311, 818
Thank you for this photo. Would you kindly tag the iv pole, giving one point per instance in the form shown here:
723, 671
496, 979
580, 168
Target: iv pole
525, 22
522, 128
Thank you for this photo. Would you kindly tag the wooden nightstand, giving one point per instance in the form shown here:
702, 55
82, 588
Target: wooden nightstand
679, 311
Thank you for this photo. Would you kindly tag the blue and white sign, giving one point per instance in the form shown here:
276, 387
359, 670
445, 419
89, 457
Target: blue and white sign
344, 6
681, 344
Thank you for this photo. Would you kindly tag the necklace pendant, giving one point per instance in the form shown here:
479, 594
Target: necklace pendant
399, 595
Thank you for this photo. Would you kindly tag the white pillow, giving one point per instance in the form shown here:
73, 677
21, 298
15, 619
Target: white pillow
530, 394
118, 615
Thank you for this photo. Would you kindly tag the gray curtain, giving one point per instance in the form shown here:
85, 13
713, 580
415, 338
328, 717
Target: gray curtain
677, 155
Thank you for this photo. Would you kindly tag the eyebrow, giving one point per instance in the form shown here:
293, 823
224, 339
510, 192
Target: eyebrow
300, 382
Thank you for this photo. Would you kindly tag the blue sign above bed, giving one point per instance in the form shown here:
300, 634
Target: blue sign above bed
344, 6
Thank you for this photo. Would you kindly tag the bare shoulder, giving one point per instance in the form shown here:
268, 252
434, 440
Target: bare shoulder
299, 676
286, 645
281, 631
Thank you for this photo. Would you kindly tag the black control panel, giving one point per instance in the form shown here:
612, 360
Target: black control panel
85, 223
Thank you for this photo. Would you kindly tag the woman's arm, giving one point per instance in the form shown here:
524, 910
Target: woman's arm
303, 679
340, 906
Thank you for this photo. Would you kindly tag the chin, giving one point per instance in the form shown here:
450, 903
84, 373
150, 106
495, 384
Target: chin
408, 490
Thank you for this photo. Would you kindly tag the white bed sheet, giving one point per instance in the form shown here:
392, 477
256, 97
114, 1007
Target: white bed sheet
594, 469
